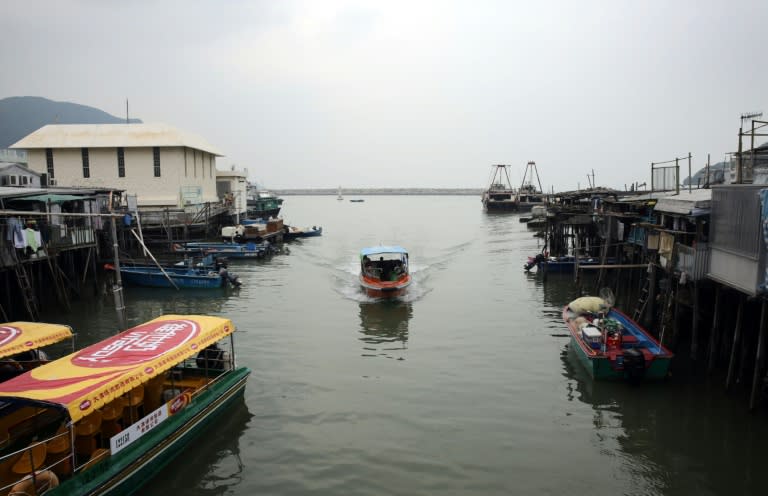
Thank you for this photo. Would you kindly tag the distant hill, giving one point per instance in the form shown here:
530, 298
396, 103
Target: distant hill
21, 115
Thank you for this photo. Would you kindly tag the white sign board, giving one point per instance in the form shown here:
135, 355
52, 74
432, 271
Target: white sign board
138, 429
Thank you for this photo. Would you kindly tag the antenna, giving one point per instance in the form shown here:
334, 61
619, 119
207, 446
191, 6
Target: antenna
749, 115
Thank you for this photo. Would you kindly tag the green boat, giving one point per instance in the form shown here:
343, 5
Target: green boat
611, 345
107, 418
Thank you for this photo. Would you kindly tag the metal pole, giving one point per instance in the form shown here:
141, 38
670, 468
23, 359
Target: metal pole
677, 176
738, 166
707, 181
117, 288
752, 148
146, 250
690, 178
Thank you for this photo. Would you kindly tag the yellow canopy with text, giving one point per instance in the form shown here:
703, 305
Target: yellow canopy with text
17, 337
90, 378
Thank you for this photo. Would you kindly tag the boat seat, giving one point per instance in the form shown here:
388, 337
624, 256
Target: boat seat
59, 457
31, 459
153, 393
88, 433
135, 405
112, 418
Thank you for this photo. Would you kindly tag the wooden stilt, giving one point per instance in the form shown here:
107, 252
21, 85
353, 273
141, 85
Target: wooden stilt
695, 325
759, 357
713, 337
736, 340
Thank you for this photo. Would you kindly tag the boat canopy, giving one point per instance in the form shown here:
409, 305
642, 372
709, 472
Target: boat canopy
92, 377
17, 337
375, 250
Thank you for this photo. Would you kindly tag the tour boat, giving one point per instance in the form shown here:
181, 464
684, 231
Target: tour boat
611, 345
106, 418
23, 344
384, 271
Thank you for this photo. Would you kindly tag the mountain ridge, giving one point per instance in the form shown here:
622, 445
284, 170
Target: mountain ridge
22, 115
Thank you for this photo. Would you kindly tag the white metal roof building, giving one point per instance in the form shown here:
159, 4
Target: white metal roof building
162, 165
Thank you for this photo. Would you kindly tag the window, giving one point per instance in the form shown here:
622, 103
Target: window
194, 162
86, 165
185, 163
156, 160
49, 162
120, 162
24, 180
13, 180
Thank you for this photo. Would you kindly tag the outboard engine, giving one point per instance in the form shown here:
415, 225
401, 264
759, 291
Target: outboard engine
533, 261
634, 365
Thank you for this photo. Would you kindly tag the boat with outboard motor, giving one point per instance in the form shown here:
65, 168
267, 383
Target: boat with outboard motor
611, 345
105, 419
384, 271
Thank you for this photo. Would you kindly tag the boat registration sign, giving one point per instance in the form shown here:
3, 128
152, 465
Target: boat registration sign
133, 432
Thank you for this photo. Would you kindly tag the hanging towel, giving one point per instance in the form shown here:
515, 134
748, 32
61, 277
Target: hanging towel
32, 239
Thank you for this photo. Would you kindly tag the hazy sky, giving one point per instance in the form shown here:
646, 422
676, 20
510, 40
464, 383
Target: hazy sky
321, 93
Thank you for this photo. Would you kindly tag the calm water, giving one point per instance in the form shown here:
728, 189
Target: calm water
464, 387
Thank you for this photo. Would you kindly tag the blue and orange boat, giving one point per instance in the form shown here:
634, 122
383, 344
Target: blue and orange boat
384, 271
611, 345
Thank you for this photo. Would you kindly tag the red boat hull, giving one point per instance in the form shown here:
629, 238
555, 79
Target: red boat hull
385, 289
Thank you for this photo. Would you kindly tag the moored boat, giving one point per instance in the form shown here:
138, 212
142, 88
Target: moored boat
106, 418
500, 196
178, 277
564, 264
529, 196
611, 345
384, 271
225, 249
292, 232
24, 345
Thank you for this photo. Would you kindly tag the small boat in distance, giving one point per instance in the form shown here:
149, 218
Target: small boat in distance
500, 196
105, 418
384, 271
611, 345
22, 345
291, 232
357, 200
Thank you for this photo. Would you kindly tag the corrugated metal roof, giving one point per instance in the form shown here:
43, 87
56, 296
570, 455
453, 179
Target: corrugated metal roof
112, 136
686, 202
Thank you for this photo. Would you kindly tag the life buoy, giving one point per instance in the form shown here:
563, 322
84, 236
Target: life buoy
43, 481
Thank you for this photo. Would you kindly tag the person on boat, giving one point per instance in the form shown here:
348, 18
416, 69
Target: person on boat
211, 358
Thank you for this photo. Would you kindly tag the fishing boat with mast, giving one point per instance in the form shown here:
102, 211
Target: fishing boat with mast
500, 196
262, 204
528, 195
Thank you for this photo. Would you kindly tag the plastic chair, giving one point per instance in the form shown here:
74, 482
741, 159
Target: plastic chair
31, 459
135, 405
88, 433
112, 417
59, 458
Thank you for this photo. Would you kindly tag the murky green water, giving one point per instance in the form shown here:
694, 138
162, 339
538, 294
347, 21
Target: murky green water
464, 387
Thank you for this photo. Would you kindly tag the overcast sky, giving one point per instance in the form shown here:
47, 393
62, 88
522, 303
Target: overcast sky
321, 93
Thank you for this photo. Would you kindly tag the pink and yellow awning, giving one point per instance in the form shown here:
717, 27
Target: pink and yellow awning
17, 337
90, 378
